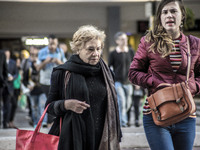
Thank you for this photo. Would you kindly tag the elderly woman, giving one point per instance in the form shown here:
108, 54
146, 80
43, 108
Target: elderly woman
162, 58
88, 103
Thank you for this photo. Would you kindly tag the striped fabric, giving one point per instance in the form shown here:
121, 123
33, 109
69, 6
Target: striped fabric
146, 108
175, 56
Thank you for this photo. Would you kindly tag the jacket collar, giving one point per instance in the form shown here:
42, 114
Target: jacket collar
183, 43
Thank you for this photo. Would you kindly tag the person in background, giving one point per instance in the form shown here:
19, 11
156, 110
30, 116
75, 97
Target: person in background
63, 46
17, 81
138, 94
25, 84
25, 65
48, 58
9, 100
37, 96
3, 76
120, 60
162, 58
3, 70
88, 103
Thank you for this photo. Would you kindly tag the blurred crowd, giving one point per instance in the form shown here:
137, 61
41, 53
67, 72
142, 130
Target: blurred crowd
25, 81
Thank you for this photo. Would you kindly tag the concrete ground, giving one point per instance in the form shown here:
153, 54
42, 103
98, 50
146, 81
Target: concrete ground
133, 137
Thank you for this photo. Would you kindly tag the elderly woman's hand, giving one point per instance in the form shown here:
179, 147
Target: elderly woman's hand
76, 105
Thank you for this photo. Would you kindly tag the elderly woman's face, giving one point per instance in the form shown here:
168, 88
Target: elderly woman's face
171, 17
91, 52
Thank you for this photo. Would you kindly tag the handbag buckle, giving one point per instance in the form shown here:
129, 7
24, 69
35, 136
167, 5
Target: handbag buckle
182, 108
158, 117
178, 100
155, 110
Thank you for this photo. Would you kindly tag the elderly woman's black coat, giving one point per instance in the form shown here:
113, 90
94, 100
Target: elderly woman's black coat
78, 131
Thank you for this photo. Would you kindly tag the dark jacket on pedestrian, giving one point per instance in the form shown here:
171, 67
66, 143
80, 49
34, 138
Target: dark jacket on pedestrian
121, 63
13, 70
3, 69
149, 70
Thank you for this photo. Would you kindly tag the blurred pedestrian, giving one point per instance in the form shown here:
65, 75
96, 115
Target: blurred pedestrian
3, 69
9, 100
37, 95
63, 46
138, 94
17, 81
25, 69
3, 77
120, 60
48, 58
162, 57
89, 110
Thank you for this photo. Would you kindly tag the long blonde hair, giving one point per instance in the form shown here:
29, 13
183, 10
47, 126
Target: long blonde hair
161, 41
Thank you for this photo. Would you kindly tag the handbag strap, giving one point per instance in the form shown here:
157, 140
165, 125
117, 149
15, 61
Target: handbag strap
189, 61
67, 76
37, 129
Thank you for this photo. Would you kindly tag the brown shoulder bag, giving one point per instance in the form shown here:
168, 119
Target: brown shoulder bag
174, 102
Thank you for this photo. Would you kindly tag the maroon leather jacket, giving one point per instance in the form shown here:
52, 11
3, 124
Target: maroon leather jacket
149, 69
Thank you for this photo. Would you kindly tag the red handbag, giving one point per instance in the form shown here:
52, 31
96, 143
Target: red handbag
35, 140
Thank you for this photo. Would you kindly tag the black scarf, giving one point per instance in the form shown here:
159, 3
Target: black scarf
78, 131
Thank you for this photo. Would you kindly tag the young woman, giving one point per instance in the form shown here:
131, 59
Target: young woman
162, 58
88, 104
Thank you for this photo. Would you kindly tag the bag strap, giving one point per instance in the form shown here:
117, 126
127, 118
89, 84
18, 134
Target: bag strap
67, 76
37, 129
189, 61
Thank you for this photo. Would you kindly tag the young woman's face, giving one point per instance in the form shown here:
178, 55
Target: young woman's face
91, 52
171, 17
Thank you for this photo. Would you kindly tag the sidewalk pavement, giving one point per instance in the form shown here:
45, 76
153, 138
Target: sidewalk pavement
133, 137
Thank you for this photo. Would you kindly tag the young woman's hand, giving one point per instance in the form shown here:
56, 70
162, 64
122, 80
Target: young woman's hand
76, 106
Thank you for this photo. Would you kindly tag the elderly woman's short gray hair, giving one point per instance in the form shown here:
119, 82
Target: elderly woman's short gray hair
84, 34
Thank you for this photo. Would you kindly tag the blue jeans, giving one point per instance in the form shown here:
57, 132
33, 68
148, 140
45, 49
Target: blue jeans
124, 98
179, 136
37, 107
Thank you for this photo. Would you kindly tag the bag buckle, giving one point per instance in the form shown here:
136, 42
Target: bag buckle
157, 112
178, 100
158, 117
182, 108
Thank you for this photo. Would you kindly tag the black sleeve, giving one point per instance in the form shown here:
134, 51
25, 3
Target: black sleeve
15, 70
110, 59
5, 69
55, 99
